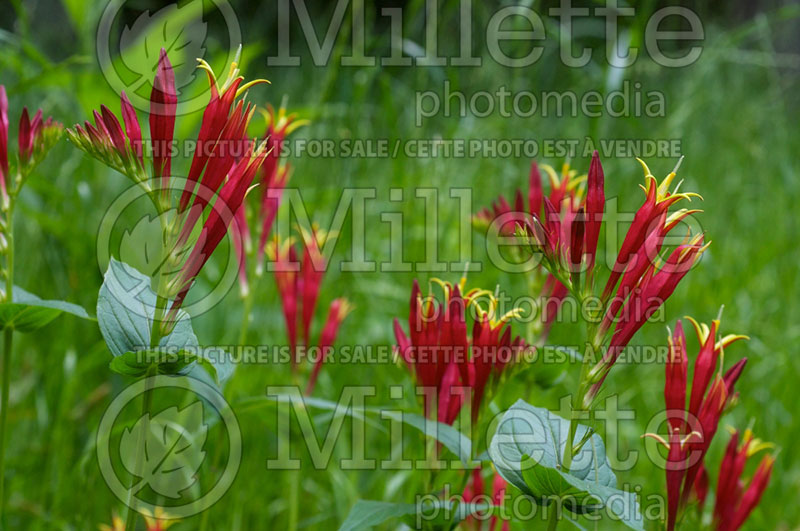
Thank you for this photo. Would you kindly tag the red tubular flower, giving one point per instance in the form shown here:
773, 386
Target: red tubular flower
578, 226
286, 272
216, 225
498, 493
133, 130
311, 273
336, 314
28, 131
442, 357
676, 379
3, 142
733, 503
163, 105
595, 206
700, 487
692, 427
653, 289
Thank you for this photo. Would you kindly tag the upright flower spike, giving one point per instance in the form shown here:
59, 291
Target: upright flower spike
298, 275
692, 430
228, 202
442, 356
225, 164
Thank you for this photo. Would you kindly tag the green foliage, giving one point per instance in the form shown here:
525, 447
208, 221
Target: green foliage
527, 451
29, 313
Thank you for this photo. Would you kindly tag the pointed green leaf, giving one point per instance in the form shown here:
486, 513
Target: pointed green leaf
28, 312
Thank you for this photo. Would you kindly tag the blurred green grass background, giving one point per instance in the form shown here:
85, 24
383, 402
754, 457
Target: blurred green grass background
735, 111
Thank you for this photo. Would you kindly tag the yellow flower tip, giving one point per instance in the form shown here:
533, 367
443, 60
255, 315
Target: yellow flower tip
555, 182
647, 172
296, 124
514, 313
728, 339
244, 88
701, 329
658, 438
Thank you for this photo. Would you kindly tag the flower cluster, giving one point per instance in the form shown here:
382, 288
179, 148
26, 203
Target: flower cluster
566, 203
224, 164
298, 281
444, 358
565, 229
693, 427
35, 137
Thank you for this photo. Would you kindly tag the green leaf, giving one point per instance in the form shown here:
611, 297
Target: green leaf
450, 437
155, 361
367, 513
527, 450
125, 311
28, 312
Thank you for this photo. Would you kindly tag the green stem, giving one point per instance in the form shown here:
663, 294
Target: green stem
8, 341
552, 518
577, 399
7, 346
147, 399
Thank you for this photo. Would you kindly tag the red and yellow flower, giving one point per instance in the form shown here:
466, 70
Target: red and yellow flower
443, 356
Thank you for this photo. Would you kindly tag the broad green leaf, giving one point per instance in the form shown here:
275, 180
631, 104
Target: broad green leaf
125, 310
527, 451
28, 312
172, 453
139, 363
367, 513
